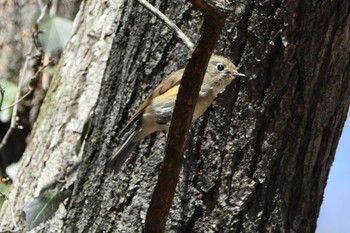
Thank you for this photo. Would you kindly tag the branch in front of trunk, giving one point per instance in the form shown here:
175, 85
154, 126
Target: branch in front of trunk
191, 82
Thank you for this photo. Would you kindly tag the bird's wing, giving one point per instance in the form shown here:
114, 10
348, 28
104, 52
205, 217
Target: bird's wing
172, 80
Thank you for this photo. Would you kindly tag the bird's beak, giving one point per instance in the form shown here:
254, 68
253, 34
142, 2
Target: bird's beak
239, 75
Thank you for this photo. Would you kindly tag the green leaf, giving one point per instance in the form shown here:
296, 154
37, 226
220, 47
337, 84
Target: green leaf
4, 190
9, 98
43, 206
2, 200
55, 33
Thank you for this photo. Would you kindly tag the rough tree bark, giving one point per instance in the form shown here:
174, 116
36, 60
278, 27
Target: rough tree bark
72, 95
257, 161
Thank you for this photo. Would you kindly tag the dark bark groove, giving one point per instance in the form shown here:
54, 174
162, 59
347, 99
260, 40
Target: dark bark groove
259, 158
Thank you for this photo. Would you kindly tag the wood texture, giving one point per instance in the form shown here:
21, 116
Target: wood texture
72, 95
164, 191
257, 161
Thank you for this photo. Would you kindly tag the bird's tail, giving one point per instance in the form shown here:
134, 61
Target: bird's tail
127, 147
124, 151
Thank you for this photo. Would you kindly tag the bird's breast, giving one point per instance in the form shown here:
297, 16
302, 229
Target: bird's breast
202, 104
160, 109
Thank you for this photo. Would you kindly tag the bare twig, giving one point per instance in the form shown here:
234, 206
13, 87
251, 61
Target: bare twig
187, 41
18, 101
53, 8
20, 82
43, 8
2, 93
14, 114
212, 8
18, 98
28, 92
191, 82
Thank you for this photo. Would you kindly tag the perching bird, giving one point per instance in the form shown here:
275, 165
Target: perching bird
155, 112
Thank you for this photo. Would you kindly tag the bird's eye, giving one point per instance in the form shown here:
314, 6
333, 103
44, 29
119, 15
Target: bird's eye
220, 67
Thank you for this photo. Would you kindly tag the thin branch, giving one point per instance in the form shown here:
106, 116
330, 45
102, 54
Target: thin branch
5, 138
15, 108
186, 100
20, 82
9, 131
214, 9
18, 101
26, 94
43, 8
53, 9
187, 41
2, 93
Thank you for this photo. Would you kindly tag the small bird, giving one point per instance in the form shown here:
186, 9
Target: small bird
155, 112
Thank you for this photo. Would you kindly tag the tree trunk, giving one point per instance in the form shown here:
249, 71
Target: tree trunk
259, 158
70, 99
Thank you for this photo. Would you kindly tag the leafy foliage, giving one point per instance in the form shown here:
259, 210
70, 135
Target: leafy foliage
55, 33
10, 90
5, 185
43, 206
